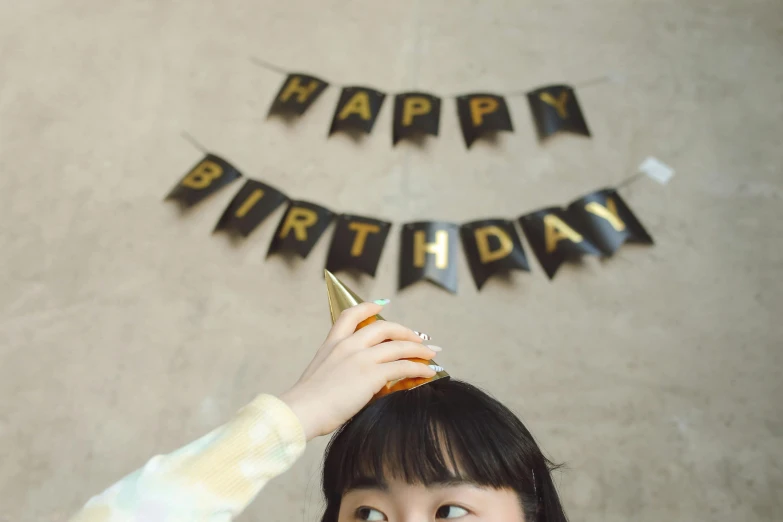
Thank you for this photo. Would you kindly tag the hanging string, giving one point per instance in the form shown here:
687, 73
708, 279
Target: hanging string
630, 180
193, 141
272, 67
599, 80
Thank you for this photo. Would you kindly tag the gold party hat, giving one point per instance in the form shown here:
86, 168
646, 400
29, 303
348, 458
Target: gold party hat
342, 297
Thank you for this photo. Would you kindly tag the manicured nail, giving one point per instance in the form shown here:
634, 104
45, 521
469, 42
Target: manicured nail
422, 335
434, 348
381, 302
436, 367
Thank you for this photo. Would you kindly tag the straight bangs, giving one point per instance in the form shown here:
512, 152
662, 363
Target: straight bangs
443, 432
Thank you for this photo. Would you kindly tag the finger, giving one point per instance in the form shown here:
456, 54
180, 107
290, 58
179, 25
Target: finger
396, 350
350, 318
380, 331
406, 370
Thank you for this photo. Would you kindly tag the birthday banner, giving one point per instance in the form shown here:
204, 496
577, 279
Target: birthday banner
555, 109
596, 224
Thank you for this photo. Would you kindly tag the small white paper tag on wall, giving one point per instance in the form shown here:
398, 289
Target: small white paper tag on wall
657, 170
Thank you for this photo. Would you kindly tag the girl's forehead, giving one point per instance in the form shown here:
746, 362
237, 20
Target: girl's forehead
391, 483
454, 489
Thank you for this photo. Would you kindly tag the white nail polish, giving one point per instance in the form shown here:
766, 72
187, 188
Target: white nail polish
434, 348
436, 367
422, 335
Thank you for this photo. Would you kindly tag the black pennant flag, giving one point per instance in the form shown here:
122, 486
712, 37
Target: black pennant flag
429, 251
251, 205
297, 93
207, 177
415, 113
553, 239
607, 221
357, 244
555, 108
357, 110
492, 246
301, 227
480, 114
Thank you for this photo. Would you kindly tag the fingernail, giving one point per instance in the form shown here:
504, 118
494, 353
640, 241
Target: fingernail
436, 367
381, 302
434, 348
422, 335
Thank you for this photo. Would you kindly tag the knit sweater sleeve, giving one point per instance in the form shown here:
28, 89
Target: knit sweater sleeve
211, 479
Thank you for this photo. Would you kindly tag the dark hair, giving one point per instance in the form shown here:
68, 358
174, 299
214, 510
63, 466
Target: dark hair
441, 431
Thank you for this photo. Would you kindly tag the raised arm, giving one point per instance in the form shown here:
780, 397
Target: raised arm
211, 479
214, 478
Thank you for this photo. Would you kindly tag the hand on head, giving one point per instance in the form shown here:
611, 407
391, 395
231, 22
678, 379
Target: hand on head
351, 366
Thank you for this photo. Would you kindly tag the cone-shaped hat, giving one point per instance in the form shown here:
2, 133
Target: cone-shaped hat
342, 297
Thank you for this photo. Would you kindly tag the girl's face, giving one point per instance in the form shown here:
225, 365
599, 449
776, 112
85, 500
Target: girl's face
398, 501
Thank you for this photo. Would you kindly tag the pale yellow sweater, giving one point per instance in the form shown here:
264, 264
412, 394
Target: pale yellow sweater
212, 479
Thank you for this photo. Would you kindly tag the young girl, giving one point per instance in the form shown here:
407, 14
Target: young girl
442, 451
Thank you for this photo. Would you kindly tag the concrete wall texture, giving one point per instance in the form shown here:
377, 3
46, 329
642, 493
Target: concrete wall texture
126, 329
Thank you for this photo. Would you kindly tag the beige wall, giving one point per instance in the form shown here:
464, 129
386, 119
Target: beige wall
127, 330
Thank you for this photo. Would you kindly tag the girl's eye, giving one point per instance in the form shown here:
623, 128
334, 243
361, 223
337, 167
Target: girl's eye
446, 512
369, 514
